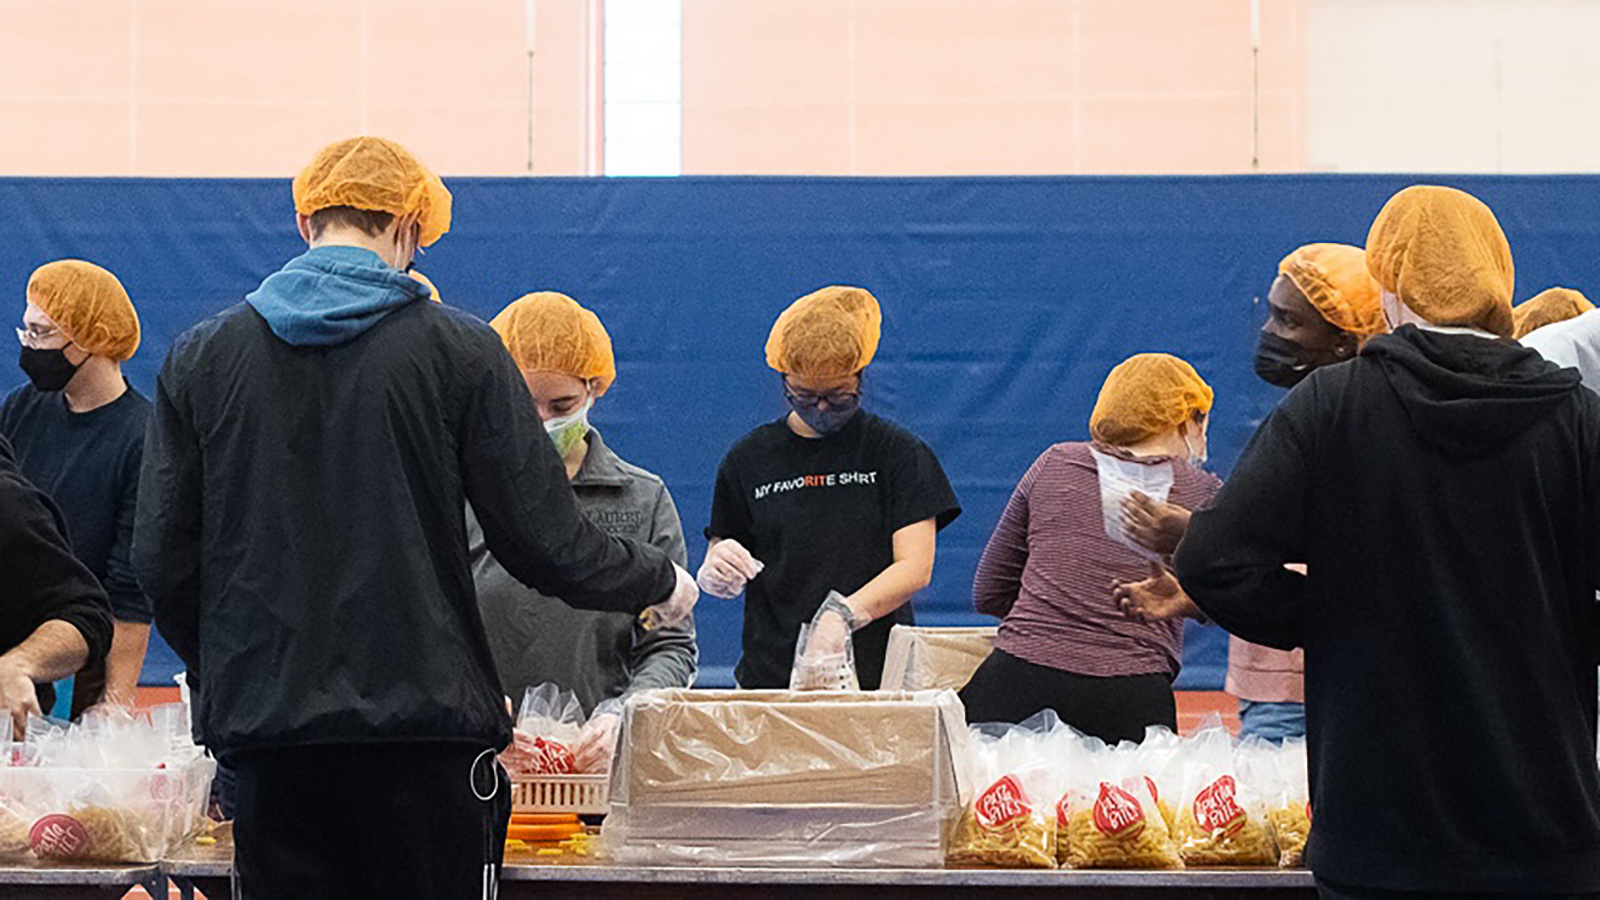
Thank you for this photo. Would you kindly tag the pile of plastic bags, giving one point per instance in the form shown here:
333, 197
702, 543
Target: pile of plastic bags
1045, 796
117, 787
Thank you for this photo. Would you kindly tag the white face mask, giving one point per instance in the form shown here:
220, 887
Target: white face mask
1198, 457
568, 430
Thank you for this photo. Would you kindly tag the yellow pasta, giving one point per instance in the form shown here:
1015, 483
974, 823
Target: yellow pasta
1005, 828
108, 835
1214, 830
1116, 831
1291, 825
13, 833
1168, 815
1247, 843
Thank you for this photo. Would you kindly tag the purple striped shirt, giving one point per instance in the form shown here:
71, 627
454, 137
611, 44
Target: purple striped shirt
1048, 568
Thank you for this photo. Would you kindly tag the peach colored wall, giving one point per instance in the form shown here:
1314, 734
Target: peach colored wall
922, 87
253, 87
872, 87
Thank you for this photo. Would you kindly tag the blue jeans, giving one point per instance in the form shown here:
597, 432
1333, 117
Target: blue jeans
1273, 722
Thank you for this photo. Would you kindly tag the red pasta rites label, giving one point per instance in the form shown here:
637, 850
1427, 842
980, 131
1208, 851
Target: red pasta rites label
552, 758
1002, 804
1215, 809
1155, 792
1308, 811
1118, 813
58, 837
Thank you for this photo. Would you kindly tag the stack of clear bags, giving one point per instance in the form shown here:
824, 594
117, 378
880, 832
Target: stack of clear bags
115, 788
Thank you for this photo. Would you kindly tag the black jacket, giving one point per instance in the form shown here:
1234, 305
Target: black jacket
40, 579
1444, 492
301, 531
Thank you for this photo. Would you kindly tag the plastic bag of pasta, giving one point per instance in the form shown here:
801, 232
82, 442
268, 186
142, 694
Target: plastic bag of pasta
1011, 820
1289, 803
1160, 761
1112, 820
1221, 820
547, 729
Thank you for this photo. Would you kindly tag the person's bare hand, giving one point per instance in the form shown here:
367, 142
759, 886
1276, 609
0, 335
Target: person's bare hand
17, 696
1158, 598
1152, 524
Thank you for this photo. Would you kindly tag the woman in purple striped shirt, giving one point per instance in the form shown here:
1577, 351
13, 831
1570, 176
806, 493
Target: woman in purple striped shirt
1049, 568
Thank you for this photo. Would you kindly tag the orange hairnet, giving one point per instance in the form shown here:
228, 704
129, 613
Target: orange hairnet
1146, 396
1548, 307
89, 305
433, 290
1442, 252
1334, 278
550, 332
375, 174
830, 333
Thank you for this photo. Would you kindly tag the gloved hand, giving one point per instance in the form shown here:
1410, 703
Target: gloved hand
727, 569
596, 743
676, 608
831, 627
825, 659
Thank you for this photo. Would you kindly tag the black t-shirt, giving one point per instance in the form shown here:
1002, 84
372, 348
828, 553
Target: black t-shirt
88, 463
821, 513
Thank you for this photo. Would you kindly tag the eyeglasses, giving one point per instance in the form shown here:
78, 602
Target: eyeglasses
810, 400
38, 338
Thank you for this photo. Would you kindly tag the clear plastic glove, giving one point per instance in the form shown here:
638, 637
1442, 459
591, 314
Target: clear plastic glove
596, 743
727, 569
831, 627
825, 655
676, 608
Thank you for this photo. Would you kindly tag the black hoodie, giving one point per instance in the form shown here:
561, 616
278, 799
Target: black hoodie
1444, 491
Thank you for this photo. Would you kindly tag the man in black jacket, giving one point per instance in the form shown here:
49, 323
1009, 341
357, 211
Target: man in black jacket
54, 616
301, 534
1444, 490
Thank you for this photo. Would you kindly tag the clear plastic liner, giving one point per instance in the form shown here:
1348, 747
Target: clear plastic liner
778, 778
934, 659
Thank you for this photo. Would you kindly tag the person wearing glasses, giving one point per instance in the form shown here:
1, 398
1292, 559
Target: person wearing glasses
566, 360
828, 515
77, 429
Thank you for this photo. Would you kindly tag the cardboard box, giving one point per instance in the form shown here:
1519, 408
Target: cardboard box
934, 659
777, 778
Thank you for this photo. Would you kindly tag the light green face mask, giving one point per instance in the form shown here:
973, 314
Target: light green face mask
567, 431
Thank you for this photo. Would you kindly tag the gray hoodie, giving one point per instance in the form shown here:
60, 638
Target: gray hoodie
537, 639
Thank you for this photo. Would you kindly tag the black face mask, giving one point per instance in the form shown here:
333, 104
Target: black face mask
1282, 362
49, 370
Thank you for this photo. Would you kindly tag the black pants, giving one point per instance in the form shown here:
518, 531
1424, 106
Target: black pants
1008, 689
375, 821
1328, 890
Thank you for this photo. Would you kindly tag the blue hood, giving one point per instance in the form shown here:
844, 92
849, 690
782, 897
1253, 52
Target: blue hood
332, 295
